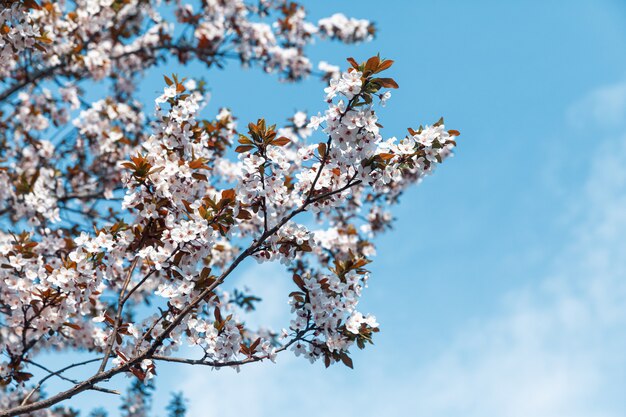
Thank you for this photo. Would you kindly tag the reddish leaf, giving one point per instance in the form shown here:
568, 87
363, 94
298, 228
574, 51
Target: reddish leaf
299, 282
228, 194
385, 156
385, 65
244, 140
72, 325
347, 360
32, 4
141, 375
198, 163
218, 314
387, 82
187, 205
282, 141
321, 148
243, 148
372, 64
22, 376
244, 215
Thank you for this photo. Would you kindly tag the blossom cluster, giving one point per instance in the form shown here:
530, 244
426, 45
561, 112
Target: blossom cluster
121, 229
18, 32
347, 29
186, 230
117, 40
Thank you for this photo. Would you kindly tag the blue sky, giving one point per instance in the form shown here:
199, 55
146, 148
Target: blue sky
501, 290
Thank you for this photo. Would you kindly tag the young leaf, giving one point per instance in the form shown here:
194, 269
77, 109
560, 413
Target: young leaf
387, 82
321, 148
386, 64
243, 148
282, 141
347, 360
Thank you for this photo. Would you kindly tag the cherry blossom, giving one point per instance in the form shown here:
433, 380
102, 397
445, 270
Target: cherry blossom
123, 225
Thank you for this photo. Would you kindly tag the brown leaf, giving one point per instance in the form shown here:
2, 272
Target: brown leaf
187, 205
22, 376
347, 360
253, 128
372, 64
218, 314
198, 163
244, 215
44, 39
244, 140
321, 148
141, 375
385, 156
282, 141
387, 82
243, 148
386, 64
206, 271
228, 194
299, 282
199, 176
32, 4
255, 344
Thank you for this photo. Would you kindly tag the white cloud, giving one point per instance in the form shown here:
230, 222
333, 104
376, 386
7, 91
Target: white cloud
557, 348
604, 107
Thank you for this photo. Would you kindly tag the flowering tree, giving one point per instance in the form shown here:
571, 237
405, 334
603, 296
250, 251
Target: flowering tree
120, 228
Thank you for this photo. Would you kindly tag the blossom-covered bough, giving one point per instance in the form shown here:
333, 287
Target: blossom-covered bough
120, 229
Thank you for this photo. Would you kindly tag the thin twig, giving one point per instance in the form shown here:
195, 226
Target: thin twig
215, 364
58, 374
118, 316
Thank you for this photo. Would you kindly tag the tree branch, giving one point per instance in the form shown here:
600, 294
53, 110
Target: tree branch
58, 374
149, 353
118, 316
215, 364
